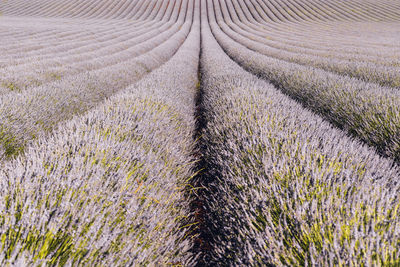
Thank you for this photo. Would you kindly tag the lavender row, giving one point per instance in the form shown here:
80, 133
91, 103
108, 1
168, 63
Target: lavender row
28, 115
365, 110
108, 187
284, 187
55, 69
367, 71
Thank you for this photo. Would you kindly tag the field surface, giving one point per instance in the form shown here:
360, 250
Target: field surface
200, 133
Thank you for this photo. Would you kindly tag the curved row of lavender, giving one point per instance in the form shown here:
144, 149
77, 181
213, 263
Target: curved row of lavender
102, 179
386, 75
363, 109
284, 186
88, 55
27, 114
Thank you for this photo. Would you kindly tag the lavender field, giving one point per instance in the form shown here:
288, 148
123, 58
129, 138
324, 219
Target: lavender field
200, 133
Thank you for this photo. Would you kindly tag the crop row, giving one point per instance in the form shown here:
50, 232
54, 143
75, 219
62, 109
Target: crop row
327, 37
108, 187
365, 110
149, 17
27, 115
37, 73
94, 9
333, 35
62, 39
276, 11
367, 71
285, 187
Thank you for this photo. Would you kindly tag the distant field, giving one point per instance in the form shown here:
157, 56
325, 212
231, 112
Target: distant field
200, 133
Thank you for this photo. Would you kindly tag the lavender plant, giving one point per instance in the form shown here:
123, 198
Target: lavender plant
370, 72
107, 188
117, 150
32, 113
365, 110
285, 188
36, 74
